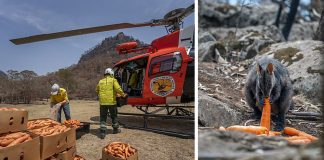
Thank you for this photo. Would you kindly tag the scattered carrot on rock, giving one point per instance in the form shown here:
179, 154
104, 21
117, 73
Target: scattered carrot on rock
297, 137
294, 132
249, 129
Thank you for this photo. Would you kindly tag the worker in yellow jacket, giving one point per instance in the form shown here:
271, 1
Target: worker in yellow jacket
60, 99
107, 89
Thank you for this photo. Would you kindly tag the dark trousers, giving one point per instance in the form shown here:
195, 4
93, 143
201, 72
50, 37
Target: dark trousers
104, 114
66, 110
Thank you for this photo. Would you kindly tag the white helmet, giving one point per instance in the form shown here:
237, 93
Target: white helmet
109, 71
55, 89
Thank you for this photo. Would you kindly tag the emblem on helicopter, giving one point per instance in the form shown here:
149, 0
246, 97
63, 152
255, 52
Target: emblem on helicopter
162, 86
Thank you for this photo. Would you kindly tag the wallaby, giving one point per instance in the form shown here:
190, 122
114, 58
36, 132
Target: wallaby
269, 78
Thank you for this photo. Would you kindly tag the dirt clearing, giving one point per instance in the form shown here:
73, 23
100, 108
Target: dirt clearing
150, 145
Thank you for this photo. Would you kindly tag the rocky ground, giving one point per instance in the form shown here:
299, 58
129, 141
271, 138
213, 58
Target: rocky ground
150, 145
225, 55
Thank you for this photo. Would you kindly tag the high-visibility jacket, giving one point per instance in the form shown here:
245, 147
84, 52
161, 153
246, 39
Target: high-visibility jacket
61, 96
133, 80
107, 89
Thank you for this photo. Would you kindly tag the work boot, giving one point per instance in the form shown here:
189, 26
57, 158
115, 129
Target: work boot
116, 130
102, 134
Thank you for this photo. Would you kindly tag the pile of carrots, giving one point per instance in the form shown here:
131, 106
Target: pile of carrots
11, 139
40, 123
75, 158
11, 109
73, 122
297, 137
46, 127
120, 150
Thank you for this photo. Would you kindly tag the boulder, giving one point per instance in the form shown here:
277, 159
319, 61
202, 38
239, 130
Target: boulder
303, 31
212, 112
244, 44
215, 14
211, 51
227, 145
304, 62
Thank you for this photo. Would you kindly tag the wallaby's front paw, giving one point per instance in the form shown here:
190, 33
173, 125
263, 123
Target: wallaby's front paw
261, 102
271, 100
279, 127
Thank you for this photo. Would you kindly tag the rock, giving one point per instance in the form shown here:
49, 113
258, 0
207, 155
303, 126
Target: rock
234, 68
212, 112
205, 36
215, 14
241, 68
303, 31
226, 145
211, 51
270, 31
303, 60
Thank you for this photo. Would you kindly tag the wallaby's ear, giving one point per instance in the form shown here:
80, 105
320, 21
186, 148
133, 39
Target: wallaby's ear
258, 68
270, 68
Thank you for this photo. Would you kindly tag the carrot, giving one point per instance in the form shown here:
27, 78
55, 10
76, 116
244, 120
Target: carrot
300, 141
19, 140
266, 114
249, 129
221, 128
6, 142
274, 133
295, 138
294, 132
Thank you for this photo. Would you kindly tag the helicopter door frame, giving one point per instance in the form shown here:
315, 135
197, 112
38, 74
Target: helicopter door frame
165, 75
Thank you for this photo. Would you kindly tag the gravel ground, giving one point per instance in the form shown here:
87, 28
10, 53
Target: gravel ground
150, 145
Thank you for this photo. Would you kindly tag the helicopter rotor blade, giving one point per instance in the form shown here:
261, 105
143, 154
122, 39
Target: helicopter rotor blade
170, 19
188, 11
56, 35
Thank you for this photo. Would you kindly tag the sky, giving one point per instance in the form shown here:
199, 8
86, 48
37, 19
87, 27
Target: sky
21, 18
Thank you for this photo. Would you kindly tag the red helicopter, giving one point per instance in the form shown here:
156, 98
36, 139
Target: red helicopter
160, 78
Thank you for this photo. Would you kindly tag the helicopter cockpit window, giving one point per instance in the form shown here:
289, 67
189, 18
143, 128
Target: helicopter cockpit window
166, 63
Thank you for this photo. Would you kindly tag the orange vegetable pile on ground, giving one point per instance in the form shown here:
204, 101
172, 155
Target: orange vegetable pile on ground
120, 150
297, 137
74, 123
46, 127
11, 139
11, 109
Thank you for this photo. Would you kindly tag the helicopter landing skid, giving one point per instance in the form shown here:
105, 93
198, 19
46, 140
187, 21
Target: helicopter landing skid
170, 112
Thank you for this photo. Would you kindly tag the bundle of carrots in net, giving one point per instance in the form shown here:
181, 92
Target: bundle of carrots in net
11, 139
11, 109
120, 150
73, 122
46, 127
297, 137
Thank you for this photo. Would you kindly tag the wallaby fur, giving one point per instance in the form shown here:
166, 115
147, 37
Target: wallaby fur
269, 78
